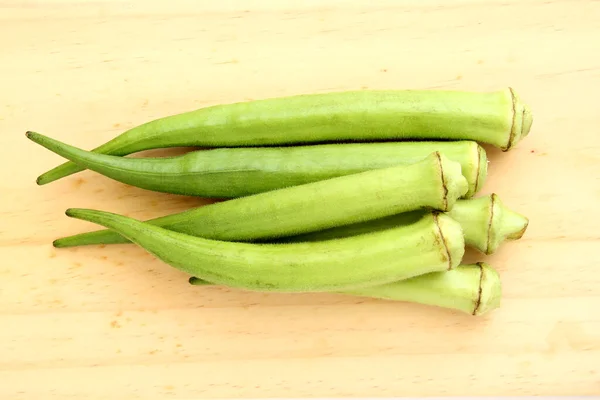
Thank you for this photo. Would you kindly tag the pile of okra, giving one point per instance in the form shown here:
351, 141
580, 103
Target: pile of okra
362, 193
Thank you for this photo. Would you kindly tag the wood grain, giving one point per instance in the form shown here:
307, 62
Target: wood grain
114, 322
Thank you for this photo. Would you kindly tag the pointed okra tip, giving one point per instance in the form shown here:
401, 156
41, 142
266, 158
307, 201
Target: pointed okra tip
35, 136
198, 282
39, 181
39, 139
80, 213
490, 290
58, 243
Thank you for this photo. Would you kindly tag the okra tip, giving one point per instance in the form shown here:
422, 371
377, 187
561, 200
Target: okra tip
47, 177
490, 290
81, 213
60, 243
198, 282
39, 139
35, 137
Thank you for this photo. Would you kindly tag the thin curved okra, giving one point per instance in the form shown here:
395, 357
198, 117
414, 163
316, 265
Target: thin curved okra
499, 118
434, 182
433, 243
474, 289
486, 223
237, 172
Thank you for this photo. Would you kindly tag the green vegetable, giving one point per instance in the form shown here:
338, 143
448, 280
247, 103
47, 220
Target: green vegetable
470, 288
434, 182
433, 243
499, 118
474, 289
486, 223
237, 172
489, 222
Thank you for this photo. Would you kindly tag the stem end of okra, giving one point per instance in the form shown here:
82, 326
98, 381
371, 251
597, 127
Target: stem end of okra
514, 225
452, 239
518, 221
505, 224
487, 223
522, 121
454, 184
490, 290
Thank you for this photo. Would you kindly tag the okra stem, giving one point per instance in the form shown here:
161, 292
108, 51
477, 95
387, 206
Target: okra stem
237, 172
488, 222
469, 288
433, 243
499, 118
431, 183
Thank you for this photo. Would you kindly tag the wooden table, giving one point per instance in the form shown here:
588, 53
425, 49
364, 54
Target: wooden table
114, 322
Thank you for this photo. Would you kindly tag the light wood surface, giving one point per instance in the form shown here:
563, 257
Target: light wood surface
114, 322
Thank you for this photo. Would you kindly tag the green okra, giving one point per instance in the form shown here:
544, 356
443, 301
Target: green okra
489, 222
433, 243
434, 182
499, 118
486, 223
237, 172
474, 289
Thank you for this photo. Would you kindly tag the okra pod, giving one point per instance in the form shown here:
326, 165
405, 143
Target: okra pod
237, 172
499, 118
434, 182
433, 243
485, 221
474, 289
